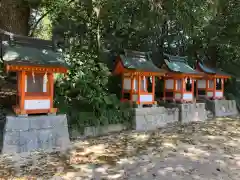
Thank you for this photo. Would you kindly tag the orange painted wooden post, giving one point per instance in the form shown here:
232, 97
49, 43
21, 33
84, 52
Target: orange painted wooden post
22, 92
139, 88
183, 87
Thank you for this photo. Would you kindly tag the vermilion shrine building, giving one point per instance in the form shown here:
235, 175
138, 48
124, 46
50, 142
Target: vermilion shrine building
179, 80
35, 63
212, 85
137, 72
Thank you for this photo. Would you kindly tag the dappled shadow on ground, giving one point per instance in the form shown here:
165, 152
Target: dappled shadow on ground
209, 150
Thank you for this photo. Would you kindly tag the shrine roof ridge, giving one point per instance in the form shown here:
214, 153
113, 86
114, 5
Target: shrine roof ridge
175, 58
137, 60
179, 64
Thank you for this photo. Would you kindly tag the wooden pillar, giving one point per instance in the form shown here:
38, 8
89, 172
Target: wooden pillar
139, 89
153, 88
183, 87
207, 82
22, 80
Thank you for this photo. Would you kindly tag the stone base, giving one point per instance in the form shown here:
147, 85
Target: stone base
192, 112
25, 134
222, 108
154, 117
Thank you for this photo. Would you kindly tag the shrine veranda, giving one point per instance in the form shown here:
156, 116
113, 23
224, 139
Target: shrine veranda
34, 61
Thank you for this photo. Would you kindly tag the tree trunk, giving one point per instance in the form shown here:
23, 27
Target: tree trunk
14, 16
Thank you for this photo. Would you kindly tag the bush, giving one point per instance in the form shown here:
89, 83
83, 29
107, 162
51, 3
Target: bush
85, 96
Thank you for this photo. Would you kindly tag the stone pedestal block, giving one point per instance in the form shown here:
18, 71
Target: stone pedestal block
152, 118
26, 134
221, 108
192, 112
171, 115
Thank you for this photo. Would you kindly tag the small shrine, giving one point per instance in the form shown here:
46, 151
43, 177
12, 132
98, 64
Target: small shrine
35, 63
138, 72
179, 80
211, 86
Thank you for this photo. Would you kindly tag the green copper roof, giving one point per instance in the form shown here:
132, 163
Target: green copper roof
138, 61
31, 56
21, 50
209, 70
178, 64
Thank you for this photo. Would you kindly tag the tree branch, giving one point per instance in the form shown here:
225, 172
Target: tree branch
38, 21
41, 18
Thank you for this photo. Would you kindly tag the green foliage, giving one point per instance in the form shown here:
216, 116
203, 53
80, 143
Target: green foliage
89, 94
83, 93
177, 27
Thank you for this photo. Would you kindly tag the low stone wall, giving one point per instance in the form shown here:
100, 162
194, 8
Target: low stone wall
192, 112
221, 108
25, 134
152, 118
103, 130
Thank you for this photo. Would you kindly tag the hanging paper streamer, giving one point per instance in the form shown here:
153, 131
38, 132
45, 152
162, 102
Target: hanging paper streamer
45, 79
190, 81
33, 76
217, 80
186, 80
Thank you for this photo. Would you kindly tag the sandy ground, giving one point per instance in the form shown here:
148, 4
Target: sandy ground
197, 151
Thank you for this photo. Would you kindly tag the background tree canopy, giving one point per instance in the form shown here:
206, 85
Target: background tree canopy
87, 28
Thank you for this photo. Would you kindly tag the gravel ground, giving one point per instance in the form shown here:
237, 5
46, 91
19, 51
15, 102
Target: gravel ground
197, 151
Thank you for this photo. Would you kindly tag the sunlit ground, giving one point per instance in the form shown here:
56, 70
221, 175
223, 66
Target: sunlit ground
198, 151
